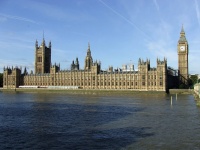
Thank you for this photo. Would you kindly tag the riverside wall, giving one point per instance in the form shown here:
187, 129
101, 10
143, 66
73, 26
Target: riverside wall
197, 90
97, 91
181, 91
84, 91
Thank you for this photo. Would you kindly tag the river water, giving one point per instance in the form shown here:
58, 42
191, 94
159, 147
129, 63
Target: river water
63, 121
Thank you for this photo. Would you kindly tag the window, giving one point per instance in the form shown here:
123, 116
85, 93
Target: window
161, 76
39, 59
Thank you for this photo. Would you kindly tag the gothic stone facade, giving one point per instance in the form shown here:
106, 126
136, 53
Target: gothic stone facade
183, 50
91, 77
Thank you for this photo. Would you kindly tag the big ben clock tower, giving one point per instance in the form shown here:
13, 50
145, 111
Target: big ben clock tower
183, 58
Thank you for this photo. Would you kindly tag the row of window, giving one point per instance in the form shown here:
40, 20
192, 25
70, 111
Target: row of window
101, 84
102, 77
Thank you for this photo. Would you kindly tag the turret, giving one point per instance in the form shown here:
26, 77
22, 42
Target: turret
72, 65
75, 66
143, 66
25, 71
11, 78
50, 44
77, 61
96, 67
54, 68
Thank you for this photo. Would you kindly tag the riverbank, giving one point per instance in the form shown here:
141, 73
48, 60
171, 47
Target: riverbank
97, 91
181, 91
84, 91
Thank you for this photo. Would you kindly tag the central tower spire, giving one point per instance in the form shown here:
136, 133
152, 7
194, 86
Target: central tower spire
88, 59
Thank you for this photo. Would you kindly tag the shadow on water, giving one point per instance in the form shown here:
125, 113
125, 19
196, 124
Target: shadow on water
108, 139
67, 126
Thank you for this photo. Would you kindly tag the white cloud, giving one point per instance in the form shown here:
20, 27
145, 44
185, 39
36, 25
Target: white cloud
156, 4
197, 11
125, 19
17, 18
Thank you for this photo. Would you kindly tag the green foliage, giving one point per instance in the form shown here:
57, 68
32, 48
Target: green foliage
182, 86
1, 79
193, 80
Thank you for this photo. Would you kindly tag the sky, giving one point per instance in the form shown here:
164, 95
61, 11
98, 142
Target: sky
119, 31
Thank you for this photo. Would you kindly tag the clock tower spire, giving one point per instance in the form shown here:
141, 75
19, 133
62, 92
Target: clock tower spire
182, 49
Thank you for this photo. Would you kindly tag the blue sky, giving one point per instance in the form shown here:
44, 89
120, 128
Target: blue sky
119, 31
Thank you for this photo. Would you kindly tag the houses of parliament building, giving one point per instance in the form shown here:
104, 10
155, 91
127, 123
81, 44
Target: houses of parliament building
92, 77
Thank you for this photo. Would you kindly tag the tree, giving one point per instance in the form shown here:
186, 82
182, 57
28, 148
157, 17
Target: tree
1, 79
193, 80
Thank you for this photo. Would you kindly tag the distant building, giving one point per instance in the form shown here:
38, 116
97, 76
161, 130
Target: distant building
92, 77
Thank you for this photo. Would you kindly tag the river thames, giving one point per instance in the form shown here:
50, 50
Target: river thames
69, 121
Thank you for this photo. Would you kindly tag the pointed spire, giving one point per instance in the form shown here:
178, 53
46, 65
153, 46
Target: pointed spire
77, 61
25, 71
43, 41
88, 46
165, 59
36, 43
50, 44
43, 34
182, 36
139, 61
182, 29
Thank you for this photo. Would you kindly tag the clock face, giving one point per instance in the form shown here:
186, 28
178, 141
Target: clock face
182, 48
